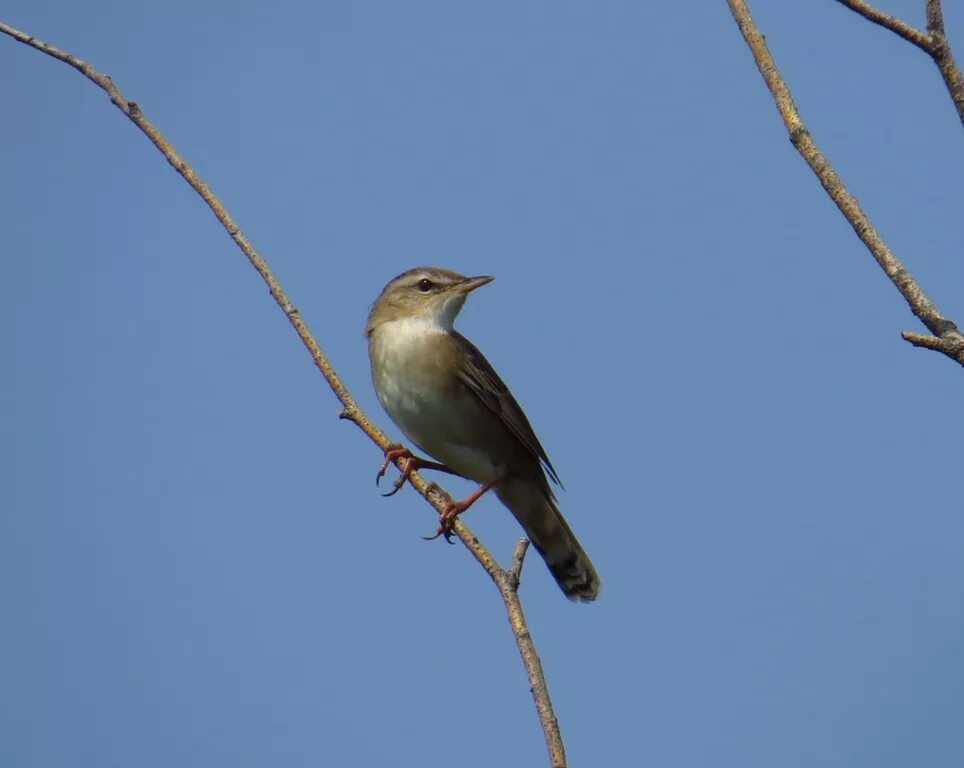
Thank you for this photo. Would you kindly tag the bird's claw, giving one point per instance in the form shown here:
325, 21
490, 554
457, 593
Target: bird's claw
400, 480
452, 509
392, 452
396, 487
446, 522
443, 529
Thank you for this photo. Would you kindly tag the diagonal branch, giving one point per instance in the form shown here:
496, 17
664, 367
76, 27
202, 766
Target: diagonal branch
946, 336
507, 581
933, 42
944, 56
911, 34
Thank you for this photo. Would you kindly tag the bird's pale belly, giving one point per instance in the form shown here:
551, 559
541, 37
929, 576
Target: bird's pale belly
433, 412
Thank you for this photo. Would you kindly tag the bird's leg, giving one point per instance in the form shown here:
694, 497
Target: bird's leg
455, 508
412, 463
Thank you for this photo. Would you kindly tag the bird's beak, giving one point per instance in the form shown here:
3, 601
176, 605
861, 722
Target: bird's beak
471, 283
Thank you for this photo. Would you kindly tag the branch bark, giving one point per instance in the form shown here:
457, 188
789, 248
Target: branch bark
507, 581
946, 338
911, 34
944, 57
933, 42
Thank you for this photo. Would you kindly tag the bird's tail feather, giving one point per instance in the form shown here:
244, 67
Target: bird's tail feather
552, 537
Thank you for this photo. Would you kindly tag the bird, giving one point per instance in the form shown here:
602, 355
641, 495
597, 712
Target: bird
439, 389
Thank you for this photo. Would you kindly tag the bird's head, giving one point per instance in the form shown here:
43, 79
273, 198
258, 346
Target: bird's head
429, 294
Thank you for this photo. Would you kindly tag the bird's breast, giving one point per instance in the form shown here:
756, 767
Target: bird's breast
414, 371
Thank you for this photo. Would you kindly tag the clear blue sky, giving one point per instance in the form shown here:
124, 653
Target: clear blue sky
195, 566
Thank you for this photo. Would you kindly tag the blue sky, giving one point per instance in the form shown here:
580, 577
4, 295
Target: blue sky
195, 566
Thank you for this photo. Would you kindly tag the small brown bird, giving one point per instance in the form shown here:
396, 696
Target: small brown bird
443, 394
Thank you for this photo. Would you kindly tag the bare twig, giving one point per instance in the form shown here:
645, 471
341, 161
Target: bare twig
933, 42
935, 17
515, 570
911, 34
508, 584
944, 56
950, 338
939, 344
506, 581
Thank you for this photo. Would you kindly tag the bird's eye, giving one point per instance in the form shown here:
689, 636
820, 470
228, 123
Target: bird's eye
425, 285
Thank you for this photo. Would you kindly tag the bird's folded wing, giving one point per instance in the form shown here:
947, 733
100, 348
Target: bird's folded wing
482, 380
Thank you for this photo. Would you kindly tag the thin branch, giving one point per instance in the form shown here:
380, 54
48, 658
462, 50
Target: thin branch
935, 17
946, 345
508, 584
515, 570
920, 304
933, 42
944, 56
506, 581
911, 34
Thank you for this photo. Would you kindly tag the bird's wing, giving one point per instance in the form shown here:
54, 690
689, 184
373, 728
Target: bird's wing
483, 382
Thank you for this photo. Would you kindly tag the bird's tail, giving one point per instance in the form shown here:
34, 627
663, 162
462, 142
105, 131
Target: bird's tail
551, 535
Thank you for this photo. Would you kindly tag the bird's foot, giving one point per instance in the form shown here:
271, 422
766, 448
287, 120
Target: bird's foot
412, 463
446, 520
393, 452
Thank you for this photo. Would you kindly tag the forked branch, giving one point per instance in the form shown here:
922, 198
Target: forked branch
911, 34
507, 581
946, 337
933, 42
